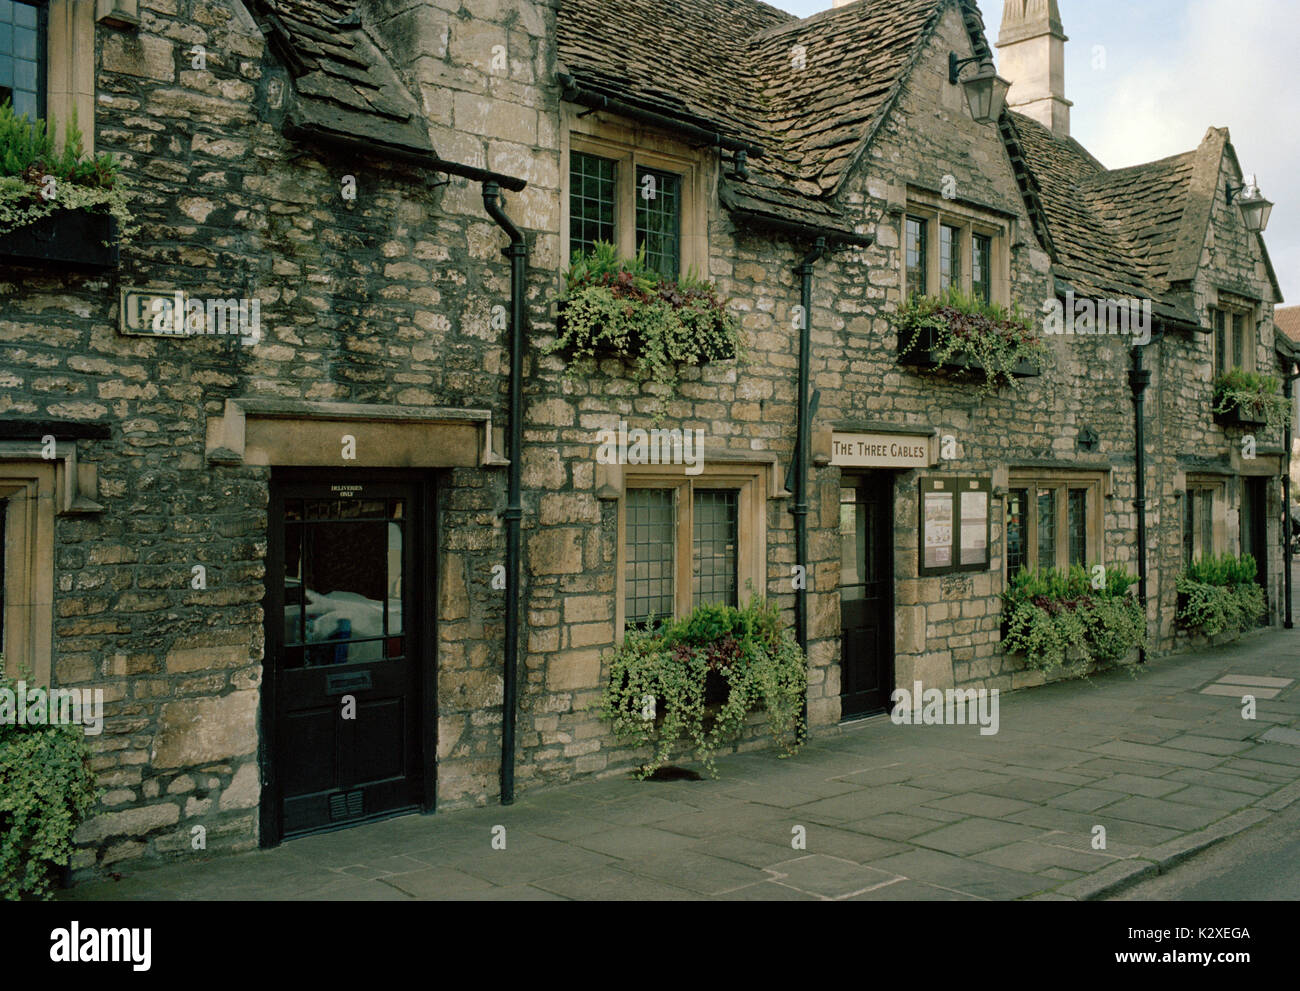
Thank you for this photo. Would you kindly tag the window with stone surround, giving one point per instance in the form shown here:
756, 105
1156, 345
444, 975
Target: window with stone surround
1203, 536
685, 541
1233, 340
918, 256
962, 246
1053, 519
636, 189
981, 266
23, 61
27, 495
949, 257
47, 59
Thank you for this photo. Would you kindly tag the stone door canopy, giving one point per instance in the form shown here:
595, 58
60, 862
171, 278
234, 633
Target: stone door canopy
286, 433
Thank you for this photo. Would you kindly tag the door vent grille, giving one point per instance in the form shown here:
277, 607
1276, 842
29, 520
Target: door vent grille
346, 805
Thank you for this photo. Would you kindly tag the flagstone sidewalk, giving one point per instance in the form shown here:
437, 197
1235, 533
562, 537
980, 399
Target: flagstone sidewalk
885, 812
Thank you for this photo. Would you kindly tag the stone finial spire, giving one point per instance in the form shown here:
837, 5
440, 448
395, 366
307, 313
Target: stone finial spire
1032, 55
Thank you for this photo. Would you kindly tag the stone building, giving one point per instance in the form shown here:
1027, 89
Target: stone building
239, 532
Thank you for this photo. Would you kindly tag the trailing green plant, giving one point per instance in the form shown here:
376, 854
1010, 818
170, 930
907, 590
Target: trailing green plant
1258, 396
625, 306
967, 330
659, 678
38, 179
46, 790
1051, 615
1219, 595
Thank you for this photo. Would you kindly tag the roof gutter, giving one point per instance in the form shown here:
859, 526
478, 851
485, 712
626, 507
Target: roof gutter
298, 131
575, 93
802, 231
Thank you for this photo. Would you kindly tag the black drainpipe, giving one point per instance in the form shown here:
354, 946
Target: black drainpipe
800, 508
1288, 390
1139, 378
517, 252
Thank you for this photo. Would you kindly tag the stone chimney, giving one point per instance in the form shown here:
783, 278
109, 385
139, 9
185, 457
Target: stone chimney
1032, 56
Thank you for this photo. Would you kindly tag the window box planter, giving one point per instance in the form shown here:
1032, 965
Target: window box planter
1249, 400
679, 668
923, 353
1239, 416
635, 345
78, 238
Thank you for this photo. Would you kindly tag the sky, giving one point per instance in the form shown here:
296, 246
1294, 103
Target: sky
1149, 78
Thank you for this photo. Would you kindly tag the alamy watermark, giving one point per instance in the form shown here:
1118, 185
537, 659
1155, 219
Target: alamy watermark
1122, 317
651, 447
53, 707
950, 707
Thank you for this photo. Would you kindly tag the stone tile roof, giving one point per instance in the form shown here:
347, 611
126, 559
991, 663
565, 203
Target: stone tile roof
733, 66
1112, 233
343, 82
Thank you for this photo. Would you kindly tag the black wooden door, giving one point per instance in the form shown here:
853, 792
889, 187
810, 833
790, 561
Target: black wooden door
867, 594
1254, 525
346, 648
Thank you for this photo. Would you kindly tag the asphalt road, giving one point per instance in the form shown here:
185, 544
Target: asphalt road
1261, 864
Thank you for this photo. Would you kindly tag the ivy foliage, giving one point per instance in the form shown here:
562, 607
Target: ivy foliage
658, 679
624, 307
966, 331
1219, 595
1258, 396
46, 789
37, 179
1055, 616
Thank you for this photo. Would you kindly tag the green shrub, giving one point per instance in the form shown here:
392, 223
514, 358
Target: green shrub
967, 329
658, 678
625, 306
46, 790
29, 160
1219, 595
1050, 613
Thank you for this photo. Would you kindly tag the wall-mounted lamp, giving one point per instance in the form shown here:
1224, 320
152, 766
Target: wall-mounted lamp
986, 91
1255, 210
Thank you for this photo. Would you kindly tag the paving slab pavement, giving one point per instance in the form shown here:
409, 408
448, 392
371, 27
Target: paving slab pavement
868, 811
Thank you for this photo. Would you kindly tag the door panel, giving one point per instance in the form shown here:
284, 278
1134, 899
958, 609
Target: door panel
1254, 527
344, 665
866, 595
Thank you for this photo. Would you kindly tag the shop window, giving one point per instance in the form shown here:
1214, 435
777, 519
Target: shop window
1053, 521
688, 542
955, 525
638, 193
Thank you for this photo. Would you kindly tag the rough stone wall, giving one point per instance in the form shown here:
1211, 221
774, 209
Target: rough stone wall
387, 300
1183, 421
384, 300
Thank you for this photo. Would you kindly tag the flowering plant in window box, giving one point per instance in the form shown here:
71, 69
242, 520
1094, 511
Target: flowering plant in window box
962, 335
1219, 597
1249, 399
1056, 617
622, 308
700, 677
58, 206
